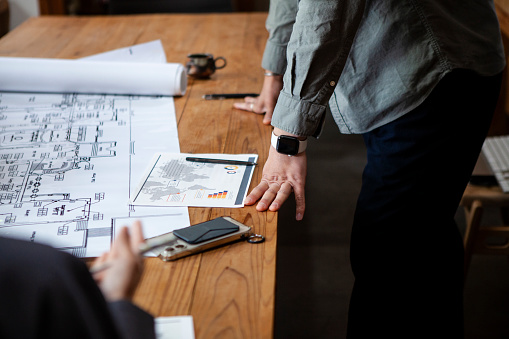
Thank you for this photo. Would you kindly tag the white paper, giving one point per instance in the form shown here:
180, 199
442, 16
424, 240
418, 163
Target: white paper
174, 327
139, 70
152, 52
170, 180
102, 77
69, 162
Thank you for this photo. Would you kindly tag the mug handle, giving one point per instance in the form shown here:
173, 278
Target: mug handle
220, 58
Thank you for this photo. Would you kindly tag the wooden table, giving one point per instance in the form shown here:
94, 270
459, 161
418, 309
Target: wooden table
228, 291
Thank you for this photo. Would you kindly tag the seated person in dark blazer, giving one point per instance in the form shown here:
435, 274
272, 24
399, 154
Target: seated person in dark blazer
45, 293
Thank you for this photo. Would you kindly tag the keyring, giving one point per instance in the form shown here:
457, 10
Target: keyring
255, 239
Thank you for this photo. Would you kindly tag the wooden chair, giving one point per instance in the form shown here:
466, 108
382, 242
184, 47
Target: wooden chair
485, 239
480, 238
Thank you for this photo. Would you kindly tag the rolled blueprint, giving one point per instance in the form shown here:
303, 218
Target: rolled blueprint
94, 77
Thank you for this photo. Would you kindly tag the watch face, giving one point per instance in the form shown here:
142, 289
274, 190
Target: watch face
287, 145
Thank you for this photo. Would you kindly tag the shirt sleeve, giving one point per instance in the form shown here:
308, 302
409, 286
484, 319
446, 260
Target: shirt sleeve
316, 54
279, 24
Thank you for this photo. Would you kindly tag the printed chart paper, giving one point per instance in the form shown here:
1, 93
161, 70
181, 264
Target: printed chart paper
171, 180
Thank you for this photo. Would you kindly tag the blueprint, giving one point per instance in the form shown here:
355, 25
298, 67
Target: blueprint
68, 163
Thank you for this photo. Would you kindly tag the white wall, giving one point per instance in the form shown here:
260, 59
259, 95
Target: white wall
20, 10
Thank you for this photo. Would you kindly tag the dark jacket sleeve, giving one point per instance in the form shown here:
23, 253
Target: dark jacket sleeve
132, 321
45, 293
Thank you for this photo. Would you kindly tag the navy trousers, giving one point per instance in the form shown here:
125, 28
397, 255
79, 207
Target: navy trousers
406, 250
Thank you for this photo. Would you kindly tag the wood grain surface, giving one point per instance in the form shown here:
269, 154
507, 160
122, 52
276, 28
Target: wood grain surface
228, 291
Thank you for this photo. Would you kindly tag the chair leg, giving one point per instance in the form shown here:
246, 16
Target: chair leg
473, 215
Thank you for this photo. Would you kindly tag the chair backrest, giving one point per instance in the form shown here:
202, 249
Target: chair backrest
168, 6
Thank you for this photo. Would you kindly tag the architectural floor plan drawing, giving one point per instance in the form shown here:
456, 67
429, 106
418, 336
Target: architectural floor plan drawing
68, 163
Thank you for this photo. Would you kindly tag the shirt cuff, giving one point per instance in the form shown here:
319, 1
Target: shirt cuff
274, 58
298, 117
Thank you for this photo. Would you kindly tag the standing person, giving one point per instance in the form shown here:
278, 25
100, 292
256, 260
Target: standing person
45, 293
419, 79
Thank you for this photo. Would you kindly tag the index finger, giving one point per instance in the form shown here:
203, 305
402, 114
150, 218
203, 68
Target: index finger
137, 237
121, 242
245, 106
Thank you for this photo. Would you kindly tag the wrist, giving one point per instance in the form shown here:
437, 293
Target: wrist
288, 144
278, 132
268, 73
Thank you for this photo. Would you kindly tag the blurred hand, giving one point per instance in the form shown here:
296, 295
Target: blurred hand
124, 265
281, 175
266, 102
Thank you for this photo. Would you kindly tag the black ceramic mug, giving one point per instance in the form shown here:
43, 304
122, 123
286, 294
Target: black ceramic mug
203, 65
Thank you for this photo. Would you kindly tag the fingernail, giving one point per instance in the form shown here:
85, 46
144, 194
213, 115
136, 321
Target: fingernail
248, 201
274, 206
262, 205
299, 216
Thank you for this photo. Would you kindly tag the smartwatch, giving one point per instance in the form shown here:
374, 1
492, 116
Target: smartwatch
288, 145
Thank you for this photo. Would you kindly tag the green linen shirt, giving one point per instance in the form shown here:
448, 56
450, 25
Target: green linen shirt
372, 61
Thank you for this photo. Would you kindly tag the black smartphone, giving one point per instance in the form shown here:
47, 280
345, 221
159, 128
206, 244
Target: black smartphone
198, 238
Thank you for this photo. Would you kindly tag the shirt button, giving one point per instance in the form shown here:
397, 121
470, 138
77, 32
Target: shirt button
332, 83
